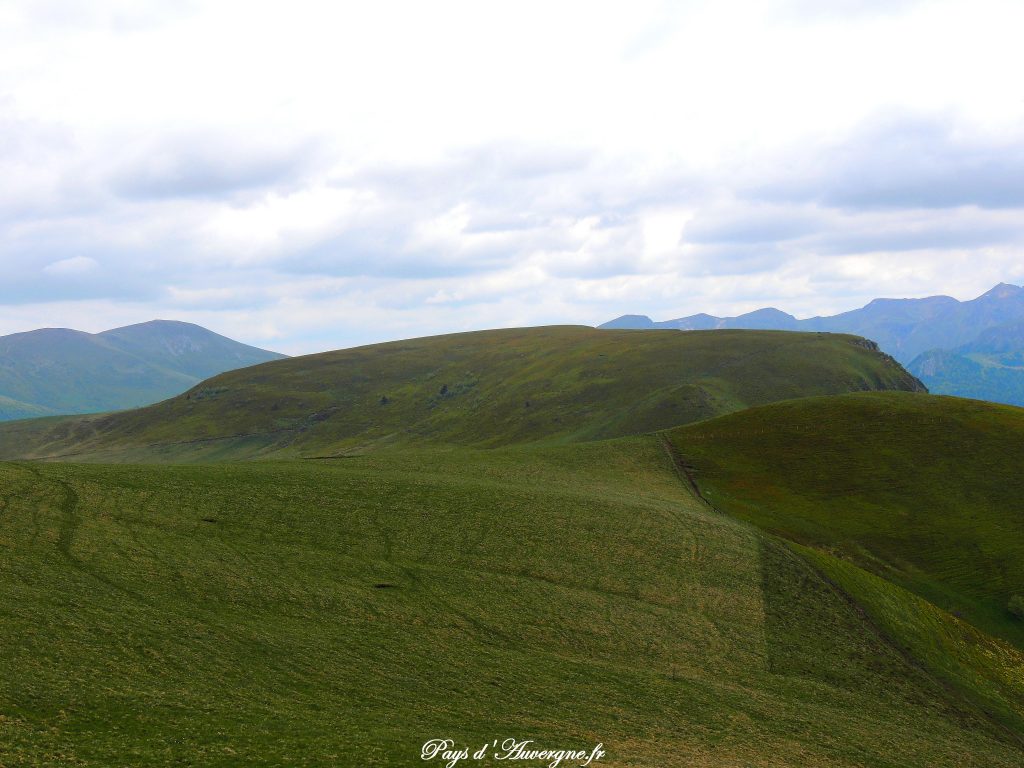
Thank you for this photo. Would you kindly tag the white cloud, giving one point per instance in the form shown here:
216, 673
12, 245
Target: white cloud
76, 265
320, 174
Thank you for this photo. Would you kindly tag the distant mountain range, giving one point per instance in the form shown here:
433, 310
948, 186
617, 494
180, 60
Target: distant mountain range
966, 348
62, 371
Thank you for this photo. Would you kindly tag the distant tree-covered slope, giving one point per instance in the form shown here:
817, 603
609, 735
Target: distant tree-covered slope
59, 370
989, 368
486, 388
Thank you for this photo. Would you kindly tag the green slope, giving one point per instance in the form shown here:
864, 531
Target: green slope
922, 491
340, 613
483, 389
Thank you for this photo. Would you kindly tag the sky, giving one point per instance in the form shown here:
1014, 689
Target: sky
306, 176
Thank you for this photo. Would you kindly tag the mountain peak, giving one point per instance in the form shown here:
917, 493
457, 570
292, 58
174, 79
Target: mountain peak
628, 322
159, 323
768, 312
1003, 291
940, 299
160, 327
186, 347
61, 370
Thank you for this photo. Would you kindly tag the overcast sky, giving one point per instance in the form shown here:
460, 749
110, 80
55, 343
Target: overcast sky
313, 175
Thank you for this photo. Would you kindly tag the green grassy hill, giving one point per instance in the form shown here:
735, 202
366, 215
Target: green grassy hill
483, 389
923, 491
342, 612
843, 600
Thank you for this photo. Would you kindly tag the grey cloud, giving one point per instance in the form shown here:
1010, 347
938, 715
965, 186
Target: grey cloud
57, 177
383, 243
123, 270
895, 236
905, 162
373, 252
27, 280
221, 289
508, 218
209, 166
744, 223
906, 183
730, 259
384, 249
40, 161
493, 222
518, 202
496, 174
525, 162
517, 205
563, 181
832, 205
29, 141
752, 239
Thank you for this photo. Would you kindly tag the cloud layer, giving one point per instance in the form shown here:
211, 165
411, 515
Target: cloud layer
327, 176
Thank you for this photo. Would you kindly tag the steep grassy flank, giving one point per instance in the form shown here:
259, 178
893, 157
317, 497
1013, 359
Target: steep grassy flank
989, 672
923, 491
340, 613
484, 389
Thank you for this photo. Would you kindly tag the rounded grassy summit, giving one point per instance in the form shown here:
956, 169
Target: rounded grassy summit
484, 389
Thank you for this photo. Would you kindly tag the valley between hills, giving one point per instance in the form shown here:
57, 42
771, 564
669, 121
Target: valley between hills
714, 548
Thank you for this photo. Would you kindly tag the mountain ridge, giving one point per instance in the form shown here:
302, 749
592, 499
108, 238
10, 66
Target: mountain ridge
945, 342
904, 328
51, 371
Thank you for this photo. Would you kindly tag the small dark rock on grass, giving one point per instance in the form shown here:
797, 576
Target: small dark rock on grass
1016, 606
